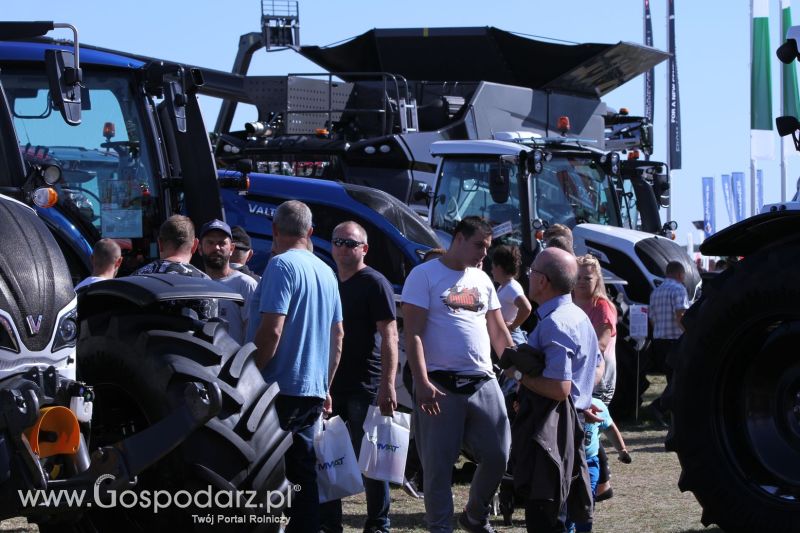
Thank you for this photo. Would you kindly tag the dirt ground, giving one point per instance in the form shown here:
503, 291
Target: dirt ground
646, 496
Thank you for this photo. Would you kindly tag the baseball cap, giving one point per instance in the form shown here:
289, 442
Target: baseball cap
218, 225
241, 239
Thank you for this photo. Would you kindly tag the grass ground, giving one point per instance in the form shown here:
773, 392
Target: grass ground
646, 496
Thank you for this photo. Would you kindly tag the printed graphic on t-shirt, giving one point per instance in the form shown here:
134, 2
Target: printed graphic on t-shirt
456, 298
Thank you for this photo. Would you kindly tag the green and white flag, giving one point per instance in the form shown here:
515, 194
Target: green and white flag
791, 100
761, 136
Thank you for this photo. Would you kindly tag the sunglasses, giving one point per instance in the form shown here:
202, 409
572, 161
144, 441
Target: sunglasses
350, 243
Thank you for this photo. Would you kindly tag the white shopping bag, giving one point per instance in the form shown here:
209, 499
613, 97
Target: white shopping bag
337, 470
384, 447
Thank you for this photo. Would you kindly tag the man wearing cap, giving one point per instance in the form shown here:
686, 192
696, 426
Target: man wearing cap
216, 247
242, 252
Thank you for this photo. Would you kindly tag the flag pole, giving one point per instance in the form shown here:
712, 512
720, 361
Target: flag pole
783, 4
752, 160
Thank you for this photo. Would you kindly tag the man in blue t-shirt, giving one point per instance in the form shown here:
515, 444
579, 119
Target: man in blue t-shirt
299, 342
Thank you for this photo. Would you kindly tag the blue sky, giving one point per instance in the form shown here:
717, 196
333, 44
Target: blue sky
713, 48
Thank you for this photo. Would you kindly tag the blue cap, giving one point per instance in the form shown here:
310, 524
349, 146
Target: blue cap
216, 225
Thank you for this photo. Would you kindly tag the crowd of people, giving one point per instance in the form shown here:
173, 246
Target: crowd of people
330, 340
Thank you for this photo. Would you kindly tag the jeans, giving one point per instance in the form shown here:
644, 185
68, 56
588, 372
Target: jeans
301, 416
518, 336
352, 407
594, 474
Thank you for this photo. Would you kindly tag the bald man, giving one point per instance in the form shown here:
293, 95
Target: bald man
106, 260
573, 364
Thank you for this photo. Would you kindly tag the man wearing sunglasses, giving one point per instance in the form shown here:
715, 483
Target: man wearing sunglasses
369, 360
451, 318
299, 342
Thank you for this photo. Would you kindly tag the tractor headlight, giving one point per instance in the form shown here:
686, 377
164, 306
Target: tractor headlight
67, 331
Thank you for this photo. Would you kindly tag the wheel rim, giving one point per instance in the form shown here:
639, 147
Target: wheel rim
760, 408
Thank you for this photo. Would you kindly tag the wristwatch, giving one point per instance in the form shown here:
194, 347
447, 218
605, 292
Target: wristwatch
517, 375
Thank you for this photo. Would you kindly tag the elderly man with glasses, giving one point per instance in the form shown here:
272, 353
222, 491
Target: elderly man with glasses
547, 436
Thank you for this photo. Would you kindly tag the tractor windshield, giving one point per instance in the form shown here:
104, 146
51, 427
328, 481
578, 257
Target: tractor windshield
108, 188
464, 191
574, 190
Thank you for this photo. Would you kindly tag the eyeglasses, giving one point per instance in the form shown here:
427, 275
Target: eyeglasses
350, 243
531, 270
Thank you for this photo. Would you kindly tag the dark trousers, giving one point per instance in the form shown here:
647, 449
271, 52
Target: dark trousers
353, 407
300, 415
539, 517
660, 351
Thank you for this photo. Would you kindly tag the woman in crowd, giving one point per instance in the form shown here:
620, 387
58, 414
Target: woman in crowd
515, 307
590, 295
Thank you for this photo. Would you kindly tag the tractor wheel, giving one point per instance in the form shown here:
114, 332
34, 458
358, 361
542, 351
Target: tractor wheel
736, 396
138, 364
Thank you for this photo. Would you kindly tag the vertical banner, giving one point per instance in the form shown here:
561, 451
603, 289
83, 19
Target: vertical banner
674, 112
759, 190
790, 101
761, 137
727, 195
789, 91
738, 196
649, 89
708, 207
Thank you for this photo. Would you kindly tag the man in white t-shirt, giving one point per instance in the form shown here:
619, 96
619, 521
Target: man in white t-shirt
447, 306
106, 260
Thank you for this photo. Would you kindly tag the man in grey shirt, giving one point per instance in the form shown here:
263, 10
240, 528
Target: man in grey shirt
216, 248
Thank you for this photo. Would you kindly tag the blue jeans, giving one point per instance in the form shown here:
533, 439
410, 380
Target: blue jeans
352, 407
594, 474
518, 336
301, 416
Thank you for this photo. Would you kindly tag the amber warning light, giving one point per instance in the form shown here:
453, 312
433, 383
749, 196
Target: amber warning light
109, 130
563, 124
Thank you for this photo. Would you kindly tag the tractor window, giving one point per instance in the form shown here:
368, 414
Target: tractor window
108, 187
628, 208
464, 191
574, 190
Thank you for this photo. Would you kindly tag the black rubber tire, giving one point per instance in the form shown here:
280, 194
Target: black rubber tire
736, 396
138, 363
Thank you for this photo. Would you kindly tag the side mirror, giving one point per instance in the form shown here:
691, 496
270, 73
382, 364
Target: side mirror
788, 125
661, 186
64, 76
499, 184
787, 52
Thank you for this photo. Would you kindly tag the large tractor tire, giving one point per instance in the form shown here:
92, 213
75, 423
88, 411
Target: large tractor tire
139, 363
736, 396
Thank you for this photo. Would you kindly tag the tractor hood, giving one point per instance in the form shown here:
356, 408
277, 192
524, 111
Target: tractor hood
35, 282
487, 54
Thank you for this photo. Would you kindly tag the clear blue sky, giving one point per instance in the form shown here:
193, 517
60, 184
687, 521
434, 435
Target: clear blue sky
713, 47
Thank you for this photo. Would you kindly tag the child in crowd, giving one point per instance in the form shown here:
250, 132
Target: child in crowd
592, 446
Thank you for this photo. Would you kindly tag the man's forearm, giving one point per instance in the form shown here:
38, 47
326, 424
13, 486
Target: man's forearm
266, 344
549, 388
337, 334
389, 358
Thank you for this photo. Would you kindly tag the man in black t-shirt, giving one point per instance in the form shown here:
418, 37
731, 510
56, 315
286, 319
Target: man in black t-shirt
369, 360
176, 244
